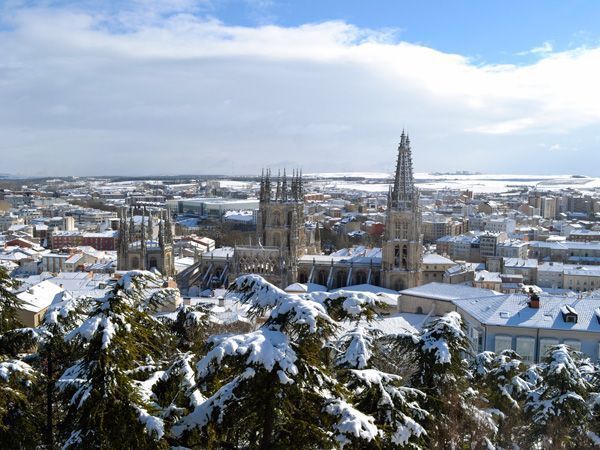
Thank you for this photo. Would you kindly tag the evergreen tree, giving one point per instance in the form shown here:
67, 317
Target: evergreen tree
270, 388
558, 413
20, 419
108, 407
19, 415
440, 371
54, 355
503, 380
378, 394
9, 303
190, 326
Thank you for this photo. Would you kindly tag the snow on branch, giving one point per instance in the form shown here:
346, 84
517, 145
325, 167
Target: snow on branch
263, 348
351, 424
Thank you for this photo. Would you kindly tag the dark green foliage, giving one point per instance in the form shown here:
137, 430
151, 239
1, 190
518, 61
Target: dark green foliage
106, 405
437, 356
21, 421
9, 303
557, 409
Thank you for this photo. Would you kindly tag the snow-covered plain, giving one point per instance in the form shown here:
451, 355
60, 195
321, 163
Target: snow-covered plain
479, 183
378, 182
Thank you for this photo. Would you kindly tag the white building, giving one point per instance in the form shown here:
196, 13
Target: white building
503, 322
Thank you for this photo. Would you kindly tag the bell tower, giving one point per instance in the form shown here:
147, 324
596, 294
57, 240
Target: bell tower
402, 250
280, 221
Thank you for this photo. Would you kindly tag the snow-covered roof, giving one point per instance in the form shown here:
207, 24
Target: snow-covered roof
513, 310
305, 287
40, 296
488, 277
519, 263
367, 288
434, 258
448, 292
77, 284
221, 252
354, 255
566, 245
239, 216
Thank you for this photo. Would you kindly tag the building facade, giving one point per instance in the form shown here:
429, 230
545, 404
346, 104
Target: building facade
136, 250
288, 251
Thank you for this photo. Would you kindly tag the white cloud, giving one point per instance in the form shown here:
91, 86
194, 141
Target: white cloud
543, 49
161, 90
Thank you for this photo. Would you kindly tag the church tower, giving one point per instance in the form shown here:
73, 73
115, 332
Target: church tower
280, 221
402, 250
139, 250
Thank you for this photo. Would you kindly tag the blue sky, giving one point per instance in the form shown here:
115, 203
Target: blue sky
492, 31
221, 86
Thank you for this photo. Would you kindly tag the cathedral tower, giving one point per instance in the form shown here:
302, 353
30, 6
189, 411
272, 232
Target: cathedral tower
139, 250
280, 221
402, 250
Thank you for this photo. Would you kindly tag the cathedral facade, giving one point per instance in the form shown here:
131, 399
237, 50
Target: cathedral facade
288, 251
141, 246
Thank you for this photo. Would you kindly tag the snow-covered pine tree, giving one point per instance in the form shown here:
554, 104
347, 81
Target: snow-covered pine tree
175, 391
378, 394
9, 319
502, 378
437, 356
558, 412
19, 389
13, 338
54, 355
20, 419
108, 408
190, 326
270, 388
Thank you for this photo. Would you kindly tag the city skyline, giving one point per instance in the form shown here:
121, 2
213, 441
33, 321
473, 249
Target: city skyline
158, 88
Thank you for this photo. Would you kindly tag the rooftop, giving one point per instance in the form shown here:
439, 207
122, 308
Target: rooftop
449, 292
513, 310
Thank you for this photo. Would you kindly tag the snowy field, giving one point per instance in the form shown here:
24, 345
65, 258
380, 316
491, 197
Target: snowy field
479, 183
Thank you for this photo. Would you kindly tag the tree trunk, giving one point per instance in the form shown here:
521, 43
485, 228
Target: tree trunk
49, 399
268, 418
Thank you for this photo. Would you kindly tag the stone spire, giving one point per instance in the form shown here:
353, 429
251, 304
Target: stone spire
161, 230
123, 241
168, 229
131, 227
284, 189
268, 186
143, 241
294, 185
278, 188
300, 187
261, 192
150, 226
403, 193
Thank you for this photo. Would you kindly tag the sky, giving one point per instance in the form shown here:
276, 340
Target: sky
165, 87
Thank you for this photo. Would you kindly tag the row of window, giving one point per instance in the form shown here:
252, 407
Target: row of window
525, 345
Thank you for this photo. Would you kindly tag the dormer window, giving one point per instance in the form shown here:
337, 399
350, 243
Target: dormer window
569, 314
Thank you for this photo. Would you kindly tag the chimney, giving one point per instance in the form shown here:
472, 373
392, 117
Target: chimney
534, 299
221, 301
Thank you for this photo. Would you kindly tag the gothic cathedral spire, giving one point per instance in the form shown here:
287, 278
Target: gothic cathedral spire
403, 195
402, 249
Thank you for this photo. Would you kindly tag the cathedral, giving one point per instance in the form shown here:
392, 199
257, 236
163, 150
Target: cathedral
144, 246
288, 251
402, 249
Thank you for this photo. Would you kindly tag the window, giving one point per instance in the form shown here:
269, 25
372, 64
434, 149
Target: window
573, 343
477, 339
502, 343
545, 345
526, 348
